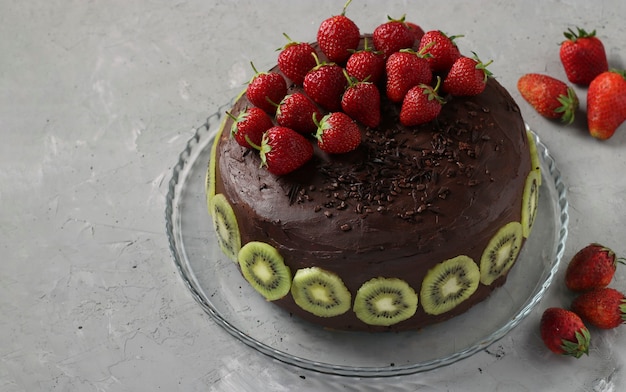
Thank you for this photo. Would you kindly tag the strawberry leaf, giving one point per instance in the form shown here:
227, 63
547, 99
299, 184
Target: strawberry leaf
580, 346
569, 105
573, 36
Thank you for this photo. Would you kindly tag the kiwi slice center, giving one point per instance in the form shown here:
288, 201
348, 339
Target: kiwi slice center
448, 284
320, 292
263, 267
385, 301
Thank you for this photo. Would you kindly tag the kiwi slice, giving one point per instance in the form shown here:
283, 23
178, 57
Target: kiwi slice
264, 268
320, 292
210, 173
448, 284
530, 201
226, 227
534, 156
501, 252
385, 301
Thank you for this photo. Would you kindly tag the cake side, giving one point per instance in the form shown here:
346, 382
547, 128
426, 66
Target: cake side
312, 220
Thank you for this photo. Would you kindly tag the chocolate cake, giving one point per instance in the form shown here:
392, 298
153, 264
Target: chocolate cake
413, 227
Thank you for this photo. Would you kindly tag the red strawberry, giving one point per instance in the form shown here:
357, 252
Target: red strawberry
606, 104
296, 59
583, 56
325, 84
283, 150
603, 308
392, 36
563, 332
417, 31
467, 77
361, 101
366, 64
441, 48
405, 69
549, 96
338, 35
249, 126
421, 105
591, 267
337, 133
266, 89
296, 112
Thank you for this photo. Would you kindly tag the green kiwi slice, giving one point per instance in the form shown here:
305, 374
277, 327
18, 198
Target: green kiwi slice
264, 268
534, 156
320, 292
448, 284
530, 201
501, 252
210, 173
385, 301
226, 227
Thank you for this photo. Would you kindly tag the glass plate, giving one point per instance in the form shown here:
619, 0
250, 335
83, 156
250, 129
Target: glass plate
222, 292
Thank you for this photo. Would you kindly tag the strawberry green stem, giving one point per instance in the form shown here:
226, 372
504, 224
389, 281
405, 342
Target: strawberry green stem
263, 149
452, 37
252, 144
433, 92
229, 114
352, 81
345, 6
401, 20
321, 126
483, 66
254, 68
422, 53
289, 43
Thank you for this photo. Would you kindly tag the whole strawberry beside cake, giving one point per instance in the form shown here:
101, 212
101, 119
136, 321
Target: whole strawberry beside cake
395, 196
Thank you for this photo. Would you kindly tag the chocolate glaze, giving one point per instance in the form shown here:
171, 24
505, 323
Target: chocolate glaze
405, 200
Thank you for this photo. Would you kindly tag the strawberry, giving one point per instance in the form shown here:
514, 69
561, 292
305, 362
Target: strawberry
392, 36
606, 104
249, 126
417, 31
591, 267
421, 105
467, 77
283, 150
549, 96
361, 101
583, 57
440, 50
405, 69
296, 59
366, 64
296, 111
266, 89
337, 133
563, 332
603, 308
338, 35
325, 84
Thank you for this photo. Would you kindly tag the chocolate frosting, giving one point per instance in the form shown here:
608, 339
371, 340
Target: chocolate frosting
404, 201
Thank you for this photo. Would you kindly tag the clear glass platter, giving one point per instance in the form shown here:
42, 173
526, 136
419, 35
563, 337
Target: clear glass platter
222, 292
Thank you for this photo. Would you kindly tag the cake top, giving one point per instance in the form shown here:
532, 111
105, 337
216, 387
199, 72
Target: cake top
439, 138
